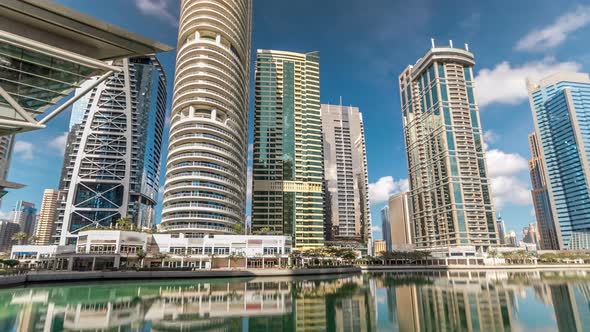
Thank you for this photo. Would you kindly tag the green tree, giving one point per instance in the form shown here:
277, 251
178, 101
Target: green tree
238, 228
10, 262
124, 224
33, 239
141, 255
264, 230
19, 237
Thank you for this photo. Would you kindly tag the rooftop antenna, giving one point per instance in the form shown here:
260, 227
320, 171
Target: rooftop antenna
340, 101
432, 42
451, 43
466, 47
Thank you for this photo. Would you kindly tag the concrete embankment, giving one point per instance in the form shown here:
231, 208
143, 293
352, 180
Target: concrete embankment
508, 268
57, 277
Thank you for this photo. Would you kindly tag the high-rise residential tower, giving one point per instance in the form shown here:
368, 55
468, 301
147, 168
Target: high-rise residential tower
206, 171
47, 217
348, 217
112, 159
288, 170
24, 214
396, 225
560, 106
541, 200
449, 184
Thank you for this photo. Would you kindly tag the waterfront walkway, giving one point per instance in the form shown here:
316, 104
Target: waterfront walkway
69, 276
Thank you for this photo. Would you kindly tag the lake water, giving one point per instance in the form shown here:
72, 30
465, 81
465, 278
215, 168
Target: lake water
476, 301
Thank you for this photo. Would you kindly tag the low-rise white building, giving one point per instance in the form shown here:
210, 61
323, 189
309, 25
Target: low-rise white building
114, 249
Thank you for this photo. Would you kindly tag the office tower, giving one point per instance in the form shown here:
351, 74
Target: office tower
510, 239
24, 214
348, 216
530, 234
206, 172
560, 107
7, 230
288, 170
379, 247
47, 217
501, 227
449, 186
112, 159
396, 225
386, 227
541, 199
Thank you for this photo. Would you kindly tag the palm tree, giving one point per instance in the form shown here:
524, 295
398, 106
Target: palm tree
141, 255
33, 239
19, 237
124, 224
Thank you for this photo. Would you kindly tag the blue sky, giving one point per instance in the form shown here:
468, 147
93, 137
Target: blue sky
363, 46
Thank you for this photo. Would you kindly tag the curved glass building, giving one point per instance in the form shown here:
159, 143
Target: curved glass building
205, 190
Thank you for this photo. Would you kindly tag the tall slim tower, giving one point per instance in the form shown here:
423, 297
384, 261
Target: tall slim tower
47, 216
560, 108
205, 189
112, 159
541, 199
450, 189
288, 170
348, 217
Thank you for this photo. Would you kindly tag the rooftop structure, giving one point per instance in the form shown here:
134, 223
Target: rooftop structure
47, 51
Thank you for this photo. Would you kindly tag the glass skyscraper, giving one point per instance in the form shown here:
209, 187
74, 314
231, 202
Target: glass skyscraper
288, 166
449, 187
541, 199
561, 109
112, 160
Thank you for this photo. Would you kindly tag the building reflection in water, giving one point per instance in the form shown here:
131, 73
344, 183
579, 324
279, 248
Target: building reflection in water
425, 302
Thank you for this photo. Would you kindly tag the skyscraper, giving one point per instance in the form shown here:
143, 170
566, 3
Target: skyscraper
501, 227
560, 107
47, 216
541, 199
24, 214
449, 185
112, 159
206, 172
7, 230
288, 170
348, 217
397, 227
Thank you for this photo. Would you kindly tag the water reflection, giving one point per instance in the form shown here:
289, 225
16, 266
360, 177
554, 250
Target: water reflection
367, 302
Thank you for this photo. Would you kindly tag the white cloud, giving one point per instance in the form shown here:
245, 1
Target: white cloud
502, 163
59, 143
555, 33
503, 170
489, 137
24, 149
510, 190
159, 9
506, 84
386, 186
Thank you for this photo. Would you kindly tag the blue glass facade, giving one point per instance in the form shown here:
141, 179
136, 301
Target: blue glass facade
561, 108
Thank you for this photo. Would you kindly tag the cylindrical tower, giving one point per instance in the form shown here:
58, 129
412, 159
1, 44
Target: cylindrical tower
205, 190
